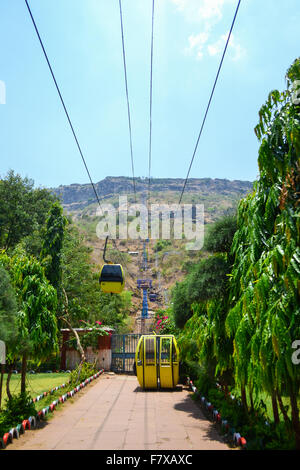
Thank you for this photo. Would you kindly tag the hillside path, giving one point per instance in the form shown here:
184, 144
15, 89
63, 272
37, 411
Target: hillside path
114, 413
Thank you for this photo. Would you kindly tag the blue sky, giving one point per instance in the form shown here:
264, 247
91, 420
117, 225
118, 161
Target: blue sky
83, 41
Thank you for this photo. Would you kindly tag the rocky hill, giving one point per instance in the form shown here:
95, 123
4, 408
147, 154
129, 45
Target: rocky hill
166, 265
76, 197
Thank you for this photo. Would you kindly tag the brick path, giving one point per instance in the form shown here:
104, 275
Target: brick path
115, 414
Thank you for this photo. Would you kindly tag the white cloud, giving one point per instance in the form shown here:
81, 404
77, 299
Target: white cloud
197, 43
199, 46
218, 47
210, 11
207, 13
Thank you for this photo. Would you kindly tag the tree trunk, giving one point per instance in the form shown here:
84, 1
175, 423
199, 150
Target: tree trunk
7, 243
67, 321
275, 408
295, 418
9, 374
244, 398
283, 410
251, 399
23, 373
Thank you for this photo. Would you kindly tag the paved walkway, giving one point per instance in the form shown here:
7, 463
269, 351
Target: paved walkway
114, 413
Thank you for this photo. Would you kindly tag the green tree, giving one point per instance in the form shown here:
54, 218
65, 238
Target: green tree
8, 324
181, 304
207, 280
53, 236
78, 277
204, 339
250, 326
37, 303
8, 309
161, 245
220, 235
22, 209
80, 280
264, 317
114, 309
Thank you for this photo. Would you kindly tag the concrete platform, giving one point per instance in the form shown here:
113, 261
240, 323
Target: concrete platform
114, 413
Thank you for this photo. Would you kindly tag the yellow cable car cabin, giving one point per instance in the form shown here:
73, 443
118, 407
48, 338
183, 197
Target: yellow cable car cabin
157, 361
112, 279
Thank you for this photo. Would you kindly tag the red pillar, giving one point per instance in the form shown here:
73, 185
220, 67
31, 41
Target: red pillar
104, 342
104, 352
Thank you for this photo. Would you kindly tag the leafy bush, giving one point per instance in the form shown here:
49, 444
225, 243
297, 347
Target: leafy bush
18, 408
259, 433
220, 235
263, 435
204, 382
82, 373
164, 323
161, 245
190, 369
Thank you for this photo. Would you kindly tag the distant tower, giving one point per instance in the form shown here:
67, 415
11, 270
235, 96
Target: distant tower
144, 284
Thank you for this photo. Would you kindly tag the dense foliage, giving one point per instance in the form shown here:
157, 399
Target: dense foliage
164, 323
22, 210
16, 409
37, 302
243, 335
45, 270
80, 374
53, 237
8, 309
220, 235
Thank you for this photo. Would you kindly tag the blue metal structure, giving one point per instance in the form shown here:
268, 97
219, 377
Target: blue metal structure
145, 304
152, 297
144, 284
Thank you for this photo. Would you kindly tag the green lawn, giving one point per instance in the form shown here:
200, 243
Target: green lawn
268, 402
36, 383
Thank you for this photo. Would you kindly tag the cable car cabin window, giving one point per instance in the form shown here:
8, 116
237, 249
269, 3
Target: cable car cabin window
111, 273
165, 351
141, 351
174, 353
150, 352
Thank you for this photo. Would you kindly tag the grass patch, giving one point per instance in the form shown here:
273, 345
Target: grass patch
35, 383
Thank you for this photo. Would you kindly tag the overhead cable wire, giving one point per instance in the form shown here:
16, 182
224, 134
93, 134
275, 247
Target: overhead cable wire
68, 118
150, 107
62, 101
150, 110
127, 98
210, 100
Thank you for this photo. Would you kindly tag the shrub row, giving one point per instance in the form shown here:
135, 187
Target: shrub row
25, 403
231, 435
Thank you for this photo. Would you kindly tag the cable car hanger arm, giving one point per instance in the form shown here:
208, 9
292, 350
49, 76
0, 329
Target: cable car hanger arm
104, 252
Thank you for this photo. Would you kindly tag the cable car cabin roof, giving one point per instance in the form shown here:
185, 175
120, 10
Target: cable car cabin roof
111, 273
